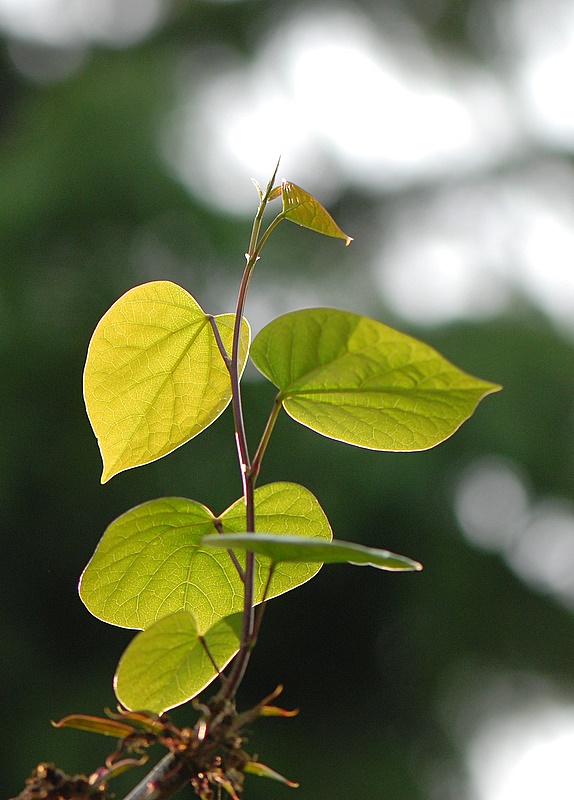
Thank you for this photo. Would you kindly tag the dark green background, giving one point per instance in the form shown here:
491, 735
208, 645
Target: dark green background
366, 656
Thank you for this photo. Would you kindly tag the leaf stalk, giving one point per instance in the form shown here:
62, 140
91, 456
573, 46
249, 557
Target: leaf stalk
248, 475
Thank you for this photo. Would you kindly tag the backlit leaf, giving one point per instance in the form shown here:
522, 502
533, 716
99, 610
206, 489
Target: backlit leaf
283, 509
154, 377
168, 663
301, 207
354, 379
151, 562
107, 727
263, 771
280, 549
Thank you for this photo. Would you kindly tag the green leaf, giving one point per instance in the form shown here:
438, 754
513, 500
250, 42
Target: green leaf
148, 564
280, 549
354, 379
170, 663
151, 561
283, 509
107, 727
154, 376
302, 208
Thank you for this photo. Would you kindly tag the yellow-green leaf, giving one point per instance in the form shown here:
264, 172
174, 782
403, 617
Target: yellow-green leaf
170, 662
154, 376
281, 549
354, 379
85, 722
302, 208
263, 771
151, 562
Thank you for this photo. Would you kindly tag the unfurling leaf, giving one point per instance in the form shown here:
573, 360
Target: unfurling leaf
275, 711
151, 561
154, 376
281, 549
170, 662
302, 208
107, 727
354, 379
262, 771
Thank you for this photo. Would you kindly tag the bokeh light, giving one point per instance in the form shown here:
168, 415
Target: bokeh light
68, 23
525, 756
342, 104
536, 537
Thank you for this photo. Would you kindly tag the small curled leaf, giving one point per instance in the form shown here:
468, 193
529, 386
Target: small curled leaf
275, 711
277, 191
84, 722
262, 771
302, 208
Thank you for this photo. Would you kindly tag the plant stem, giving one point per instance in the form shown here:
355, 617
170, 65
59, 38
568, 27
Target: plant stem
260, 610
248, 476
240, 571
258, 457
268, 233
157, 784
219, 341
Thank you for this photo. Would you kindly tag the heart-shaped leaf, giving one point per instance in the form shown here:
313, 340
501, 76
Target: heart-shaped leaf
354, 379
154, 376
170, 662
280, 549
302, 208
151, 562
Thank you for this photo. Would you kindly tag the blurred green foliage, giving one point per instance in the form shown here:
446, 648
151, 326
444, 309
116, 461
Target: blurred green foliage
82, 190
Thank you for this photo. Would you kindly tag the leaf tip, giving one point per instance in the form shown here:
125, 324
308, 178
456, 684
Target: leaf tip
348, 240
259, 190
263, 771
275, 711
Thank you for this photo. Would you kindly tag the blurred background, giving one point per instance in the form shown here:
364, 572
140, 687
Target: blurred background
440, 133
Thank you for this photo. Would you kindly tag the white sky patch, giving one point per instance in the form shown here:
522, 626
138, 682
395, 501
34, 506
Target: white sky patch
69, 23
526, 756
344, 104
514, 729
391, 114
234, 127
445, 256
543, 553
535, 537
345, 101
542, 33
491, 503
480, 243
434, 279
544, 241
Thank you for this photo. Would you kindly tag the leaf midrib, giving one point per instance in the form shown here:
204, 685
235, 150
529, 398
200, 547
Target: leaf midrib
286, 394
159, 390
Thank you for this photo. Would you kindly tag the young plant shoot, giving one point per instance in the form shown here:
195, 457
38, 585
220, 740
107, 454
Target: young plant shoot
194, 582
